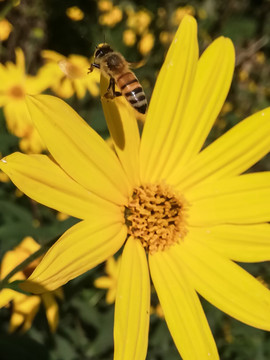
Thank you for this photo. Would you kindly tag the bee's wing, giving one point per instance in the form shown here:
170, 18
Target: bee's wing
137, 64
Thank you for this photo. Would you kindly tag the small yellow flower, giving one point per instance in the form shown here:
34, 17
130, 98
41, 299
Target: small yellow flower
227, 107
243, 75
14, 85
181, 12
252, 86
3, 177
61, 217
105, 5
69, 75
182, 213
129, 37
5, 29
112, 17
110, 281
165, 37
202, 14
75, 13
24, 308
146, 43
139, 21
260, 57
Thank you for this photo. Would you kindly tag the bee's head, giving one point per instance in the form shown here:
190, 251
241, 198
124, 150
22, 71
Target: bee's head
102, 50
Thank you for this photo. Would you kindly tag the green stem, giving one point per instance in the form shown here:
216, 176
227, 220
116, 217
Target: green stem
4, 283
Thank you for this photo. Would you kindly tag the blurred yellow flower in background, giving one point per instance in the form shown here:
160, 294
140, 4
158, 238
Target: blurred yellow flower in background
14, 85
24, 307
109, 282
146, 43
129, 37
105, 5
180, 12
111, 17
5, 29
139, 21
67, 76
75, 13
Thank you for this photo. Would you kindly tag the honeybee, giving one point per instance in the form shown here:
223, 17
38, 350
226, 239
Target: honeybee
115, 65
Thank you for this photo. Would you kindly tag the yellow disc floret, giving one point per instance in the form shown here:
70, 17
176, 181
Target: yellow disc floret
156, 216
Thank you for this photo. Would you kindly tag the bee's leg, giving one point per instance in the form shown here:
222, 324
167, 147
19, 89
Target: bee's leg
111, 93
92, 66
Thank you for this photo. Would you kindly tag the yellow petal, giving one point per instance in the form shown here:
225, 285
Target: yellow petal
243, 199
233, 153
52, 312
103, 282
20, 60
181, 306
6, 295
16, 320
244, 243
225, 284
82, 153
122, 124
24, 312
80, 88
169, 100
210, 88
132, 306
17, 117
44, 181
81, 248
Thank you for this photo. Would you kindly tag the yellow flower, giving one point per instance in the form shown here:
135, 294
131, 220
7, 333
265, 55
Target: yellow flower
139, 21
75, 13
112, 17
146, 43
183, 213
69, 75
105, 5
24, 308
110, 281
14, 85
129, 37
5, 29
181, 12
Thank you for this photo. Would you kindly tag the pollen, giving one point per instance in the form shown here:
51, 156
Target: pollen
156, 216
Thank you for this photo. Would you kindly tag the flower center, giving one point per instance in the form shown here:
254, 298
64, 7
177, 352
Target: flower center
156, 216
70, 70
16, 91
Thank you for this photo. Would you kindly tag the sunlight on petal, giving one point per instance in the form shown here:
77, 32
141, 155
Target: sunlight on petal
169, 99
81, 248
181, 306
231, 154
123, 127
225, 284
44, 181
132, 306
244, 243
82, 153
210, 88
240, 200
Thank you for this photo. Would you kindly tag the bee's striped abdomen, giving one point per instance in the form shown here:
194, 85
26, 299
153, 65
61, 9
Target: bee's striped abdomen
132, 90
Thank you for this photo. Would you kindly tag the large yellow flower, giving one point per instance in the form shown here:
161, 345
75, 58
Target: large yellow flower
183, 215
24, 307
14, 85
